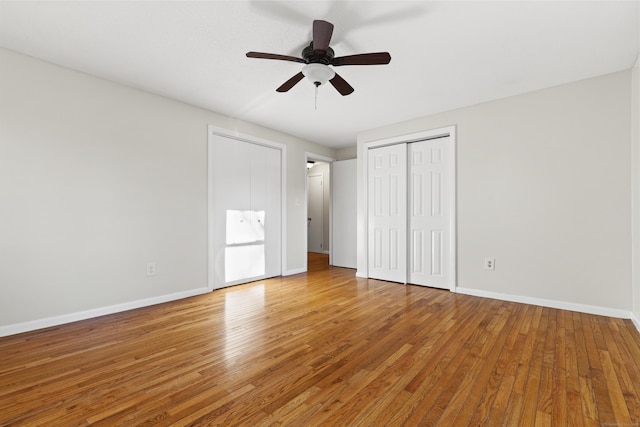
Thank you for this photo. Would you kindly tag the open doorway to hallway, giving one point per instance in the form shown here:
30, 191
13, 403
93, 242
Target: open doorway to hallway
318, 206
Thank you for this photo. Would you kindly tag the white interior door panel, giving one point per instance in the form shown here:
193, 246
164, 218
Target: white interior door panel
387, 208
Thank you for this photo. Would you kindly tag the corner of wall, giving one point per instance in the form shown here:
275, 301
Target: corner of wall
636, 321
347, 153
635, 171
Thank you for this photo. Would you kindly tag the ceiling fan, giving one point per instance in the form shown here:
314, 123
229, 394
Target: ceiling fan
318, 56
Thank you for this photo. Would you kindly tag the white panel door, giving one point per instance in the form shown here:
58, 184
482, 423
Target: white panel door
429, 216
387, 212
315, 214
246, 211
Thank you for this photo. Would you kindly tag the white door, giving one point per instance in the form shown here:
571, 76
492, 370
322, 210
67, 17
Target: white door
246, 211
315, 216
387, 211
429, 213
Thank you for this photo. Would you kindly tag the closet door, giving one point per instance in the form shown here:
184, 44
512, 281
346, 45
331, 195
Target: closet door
387, 212
266, 202
246, 218
429, 216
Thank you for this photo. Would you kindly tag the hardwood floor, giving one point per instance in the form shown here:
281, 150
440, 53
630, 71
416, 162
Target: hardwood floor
325, 348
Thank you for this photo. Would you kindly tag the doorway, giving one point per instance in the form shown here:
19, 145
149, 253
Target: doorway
318, 204
315, 213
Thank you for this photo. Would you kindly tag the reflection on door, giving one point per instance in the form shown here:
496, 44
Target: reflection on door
244, 254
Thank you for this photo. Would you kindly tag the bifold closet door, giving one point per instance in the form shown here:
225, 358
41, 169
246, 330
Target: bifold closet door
246, 211
387, 212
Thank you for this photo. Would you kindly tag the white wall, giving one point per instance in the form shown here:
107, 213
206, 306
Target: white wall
347, 153
97, 179
635, 159
344, 208
543, 186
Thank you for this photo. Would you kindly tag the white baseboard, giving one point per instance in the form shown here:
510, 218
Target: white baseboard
361, 275
88, 314
563, 305
33, 325
636, 320
296, 271
343, 266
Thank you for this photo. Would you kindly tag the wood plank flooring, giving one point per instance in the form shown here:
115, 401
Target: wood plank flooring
325, 348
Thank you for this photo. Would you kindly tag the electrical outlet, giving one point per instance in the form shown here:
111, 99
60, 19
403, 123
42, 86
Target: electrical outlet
151, 269
489, 263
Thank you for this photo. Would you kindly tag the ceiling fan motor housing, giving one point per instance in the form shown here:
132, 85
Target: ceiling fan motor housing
317, 56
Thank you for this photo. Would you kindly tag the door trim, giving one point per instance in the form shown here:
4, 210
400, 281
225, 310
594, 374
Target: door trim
449, 131
215, 130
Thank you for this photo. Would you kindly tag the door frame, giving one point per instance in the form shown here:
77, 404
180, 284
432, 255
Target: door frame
320, 158
450, 131
322, 213
242, 137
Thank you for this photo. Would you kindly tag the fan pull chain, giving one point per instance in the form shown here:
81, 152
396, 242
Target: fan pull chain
316, 98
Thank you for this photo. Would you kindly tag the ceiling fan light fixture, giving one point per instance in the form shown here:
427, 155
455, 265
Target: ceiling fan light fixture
318, 74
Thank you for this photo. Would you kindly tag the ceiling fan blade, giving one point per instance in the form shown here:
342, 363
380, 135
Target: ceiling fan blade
341, 85
263, 55
376, 58
290, 83
322, 31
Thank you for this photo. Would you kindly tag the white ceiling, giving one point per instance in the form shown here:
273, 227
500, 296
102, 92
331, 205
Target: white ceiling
445, 55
